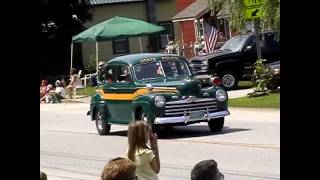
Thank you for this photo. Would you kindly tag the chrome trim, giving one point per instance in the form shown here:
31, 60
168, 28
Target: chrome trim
187, 101
193, 104
183, 112
189, 109
186, 119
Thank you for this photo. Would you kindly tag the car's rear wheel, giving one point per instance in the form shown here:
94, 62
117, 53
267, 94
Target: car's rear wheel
216, 125
229, 80
102, 127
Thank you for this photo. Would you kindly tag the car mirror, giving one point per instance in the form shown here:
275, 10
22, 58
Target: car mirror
248, 48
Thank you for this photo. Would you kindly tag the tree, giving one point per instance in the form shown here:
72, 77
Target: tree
270, 13
59, 21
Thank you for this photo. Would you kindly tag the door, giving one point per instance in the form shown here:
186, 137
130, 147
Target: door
120, 94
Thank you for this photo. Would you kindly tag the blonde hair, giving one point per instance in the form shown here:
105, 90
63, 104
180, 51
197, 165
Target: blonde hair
119, 169
138, 133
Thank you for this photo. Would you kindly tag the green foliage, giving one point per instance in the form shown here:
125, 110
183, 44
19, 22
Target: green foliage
264, 79
260, 77
90, 65
270, 13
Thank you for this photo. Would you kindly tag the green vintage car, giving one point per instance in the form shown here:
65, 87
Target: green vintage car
156, 88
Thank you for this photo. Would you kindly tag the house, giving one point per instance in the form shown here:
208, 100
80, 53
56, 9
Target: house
190, 18
158, 12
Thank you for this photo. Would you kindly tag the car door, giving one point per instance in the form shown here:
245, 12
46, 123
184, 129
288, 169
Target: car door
271, 47
121, 92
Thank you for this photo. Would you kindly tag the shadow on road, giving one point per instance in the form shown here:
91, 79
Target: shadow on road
195, 131
186, 132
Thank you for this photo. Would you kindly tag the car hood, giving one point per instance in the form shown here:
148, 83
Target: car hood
212, 55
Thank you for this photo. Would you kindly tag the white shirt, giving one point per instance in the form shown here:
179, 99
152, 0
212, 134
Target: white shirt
61, 91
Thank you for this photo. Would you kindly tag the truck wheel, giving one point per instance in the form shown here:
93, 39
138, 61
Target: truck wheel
229, 80
102, 127
216, 125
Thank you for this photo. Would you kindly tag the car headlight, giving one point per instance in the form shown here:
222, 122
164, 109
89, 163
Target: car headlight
221, 95
160, 101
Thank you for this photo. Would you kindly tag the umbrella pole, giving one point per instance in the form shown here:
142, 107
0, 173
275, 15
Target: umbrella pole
140, 44
97, 56
71, 56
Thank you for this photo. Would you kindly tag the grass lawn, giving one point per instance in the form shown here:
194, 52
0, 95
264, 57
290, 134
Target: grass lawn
269, 101
88, 91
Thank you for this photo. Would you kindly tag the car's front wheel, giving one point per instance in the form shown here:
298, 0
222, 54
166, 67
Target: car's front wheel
216, 125
143, 117
102, 127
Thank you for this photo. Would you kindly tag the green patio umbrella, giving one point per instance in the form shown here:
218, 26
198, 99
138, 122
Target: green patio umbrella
116, 28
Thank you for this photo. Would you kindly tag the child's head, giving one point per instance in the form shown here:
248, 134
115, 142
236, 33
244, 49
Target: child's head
138, 136
119, 169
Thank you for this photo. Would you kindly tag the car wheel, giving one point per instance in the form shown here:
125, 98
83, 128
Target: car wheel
229, 80
102, 127
216, 125
143, 117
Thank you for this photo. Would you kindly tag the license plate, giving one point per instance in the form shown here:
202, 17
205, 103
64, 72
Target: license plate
196, 115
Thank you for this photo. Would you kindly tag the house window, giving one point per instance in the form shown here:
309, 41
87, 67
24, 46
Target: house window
120, 46
167, 35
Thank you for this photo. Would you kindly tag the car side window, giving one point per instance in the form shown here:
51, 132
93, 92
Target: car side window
124, 74
109, 74
272, 41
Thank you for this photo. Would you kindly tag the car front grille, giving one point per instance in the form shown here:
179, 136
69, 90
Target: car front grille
183, 107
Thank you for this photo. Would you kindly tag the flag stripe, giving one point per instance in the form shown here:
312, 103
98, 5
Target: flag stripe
210, 37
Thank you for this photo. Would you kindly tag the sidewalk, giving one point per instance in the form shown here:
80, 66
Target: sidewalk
232, 94
239, 93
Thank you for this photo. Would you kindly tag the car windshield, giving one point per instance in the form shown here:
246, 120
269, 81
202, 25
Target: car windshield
234, 44
161, 69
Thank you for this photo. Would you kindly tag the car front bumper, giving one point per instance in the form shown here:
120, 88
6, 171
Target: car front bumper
186, 119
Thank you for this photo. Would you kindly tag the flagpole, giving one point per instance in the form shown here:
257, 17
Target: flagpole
71, 56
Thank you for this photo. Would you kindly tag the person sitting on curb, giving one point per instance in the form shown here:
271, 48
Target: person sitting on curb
43, 88
60, 92
119, 169
206, 170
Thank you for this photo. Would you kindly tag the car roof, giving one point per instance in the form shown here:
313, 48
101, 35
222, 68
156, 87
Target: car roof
132, 59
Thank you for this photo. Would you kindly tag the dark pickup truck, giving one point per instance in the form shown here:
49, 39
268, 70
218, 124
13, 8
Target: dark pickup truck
235, 59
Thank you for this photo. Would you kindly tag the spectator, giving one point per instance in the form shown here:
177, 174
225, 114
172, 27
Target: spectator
206, 170
43, 176
119, 169
144, 154
74, 82
50, 97
43, 88
60, 92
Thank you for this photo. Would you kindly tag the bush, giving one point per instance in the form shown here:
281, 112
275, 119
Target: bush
265, 79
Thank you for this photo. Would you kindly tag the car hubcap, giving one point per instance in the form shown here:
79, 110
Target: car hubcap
228, 80
144, 117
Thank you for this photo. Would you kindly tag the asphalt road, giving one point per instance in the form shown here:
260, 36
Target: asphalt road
248, 148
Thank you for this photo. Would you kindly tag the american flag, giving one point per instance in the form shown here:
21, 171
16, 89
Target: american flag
210, 37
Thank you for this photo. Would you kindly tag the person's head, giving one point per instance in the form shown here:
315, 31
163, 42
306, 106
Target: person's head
138, 136
44, 82
206, 170
119, 169
49, 87
73, 71
58, 83
43, 176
